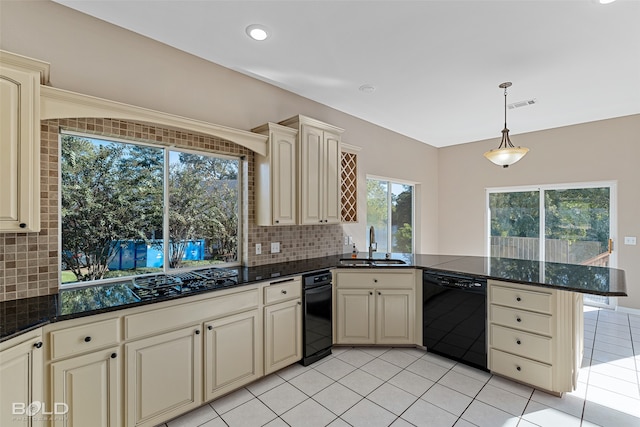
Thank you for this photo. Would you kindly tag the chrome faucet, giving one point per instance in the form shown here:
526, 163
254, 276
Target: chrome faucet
373, 245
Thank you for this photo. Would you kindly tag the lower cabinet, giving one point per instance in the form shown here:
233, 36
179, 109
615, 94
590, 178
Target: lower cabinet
375, 316
21, 375
90, 388
282, 335
535, 335
232, 353
163, 376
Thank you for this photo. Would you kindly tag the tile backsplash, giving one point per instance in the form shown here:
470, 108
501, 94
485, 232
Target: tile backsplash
30, 264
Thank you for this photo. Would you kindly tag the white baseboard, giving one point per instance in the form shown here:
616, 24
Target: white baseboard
628, 310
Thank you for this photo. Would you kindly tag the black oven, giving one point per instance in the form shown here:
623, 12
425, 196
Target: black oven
455, 317
317, 330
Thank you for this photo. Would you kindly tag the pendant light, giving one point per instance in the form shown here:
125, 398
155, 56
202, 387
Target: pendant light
506, 154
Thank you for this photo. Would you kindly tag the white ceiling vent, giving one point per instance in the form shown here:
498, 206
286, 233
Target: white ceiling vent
522, 103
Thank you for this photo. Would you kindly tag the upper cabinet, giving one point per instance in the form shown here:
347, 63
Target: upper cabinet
276, 190
20, 80
319, 170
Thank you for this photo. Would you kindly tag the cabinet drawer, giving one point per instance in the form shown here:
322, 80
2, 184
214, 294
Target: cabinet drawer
165, 319
520, 369
282, 290
521, 343
518, 298
80, 339
521, 319
377, 279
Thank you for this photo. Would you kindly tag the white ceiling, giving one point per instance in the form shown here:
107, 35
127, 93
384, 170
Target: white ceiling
436, 65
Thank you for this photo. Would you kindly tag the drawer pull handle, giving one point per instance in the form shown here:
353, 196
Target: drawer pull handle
114, 355
197, 331
518, 319
518, 299
518, 342
87, 339
284, 291
518, 368
38, 344
210, 327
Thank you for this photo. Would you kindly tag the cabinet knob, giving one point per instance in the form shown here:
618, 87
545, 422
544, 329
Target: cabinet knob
518, 368
375, 280
518, 342
114, 355
379, 293
38, 344
518, 319
299, 302
210, 327
371, 293
277, 221
284, 291
518, 299
197, 331
87, 339
23, 225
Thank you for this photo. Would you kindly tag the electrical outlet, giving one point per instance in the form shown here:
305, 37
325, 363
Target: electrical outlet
258, 248
350, 240
629, 240
346, 240
275, 247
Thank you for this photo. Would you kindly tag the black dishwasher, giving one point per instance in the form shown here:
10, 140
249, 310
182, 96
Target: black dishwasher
317, 328
455, 317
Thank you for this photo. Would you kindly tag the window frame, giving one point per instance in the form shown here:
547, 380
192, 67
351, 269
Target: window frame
389, 182
167, 149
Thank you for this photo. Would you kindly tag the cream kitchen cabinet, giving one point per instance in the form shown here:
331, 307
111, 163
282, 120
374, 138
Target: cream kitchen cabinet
282, 323
20, 80
535, 335
90, 386
21, 381
232, 352
84, 368
276, 177
319, 170
163, 376
374, 307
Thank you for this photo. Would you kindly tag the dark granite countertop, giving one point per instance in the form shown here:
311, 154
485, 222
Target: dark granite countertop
22, 315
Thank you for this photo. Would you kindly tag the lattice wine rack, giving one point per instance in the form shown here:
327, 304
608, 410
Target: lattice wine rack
349, 187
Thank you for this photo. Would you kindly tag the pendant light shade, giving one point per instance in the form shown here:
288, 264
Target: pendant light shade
506, 154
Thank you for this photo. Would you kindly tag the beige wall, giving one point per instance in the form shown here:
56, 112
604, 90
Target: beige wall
606, 150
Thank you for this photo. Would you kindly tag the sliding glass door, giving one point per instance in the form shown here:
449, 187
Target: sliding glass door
565, 224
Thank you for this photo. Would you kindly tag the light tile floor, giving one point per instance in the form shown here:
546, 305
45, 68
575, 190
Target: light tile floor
408, 387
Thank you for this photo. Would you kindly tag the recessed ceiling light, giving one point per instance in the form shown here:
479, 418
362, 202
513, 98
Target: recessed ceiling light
367, 88
257, 32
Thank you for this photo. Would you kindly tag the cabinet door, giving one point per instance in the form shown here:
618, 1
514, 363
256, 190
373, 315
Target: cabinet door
163, 376
90, 387
331, 179
394, 316
283, 335
355, 316
233, 352
283, 172
20, 148
311, 154
21, 384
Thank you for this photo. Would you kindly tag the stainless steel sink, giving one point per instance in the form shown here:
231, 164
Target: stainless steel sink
370, 262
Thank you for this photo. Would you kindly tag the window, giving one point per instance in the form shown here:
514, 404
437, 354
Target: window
390, 212
565, 224
130, 208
